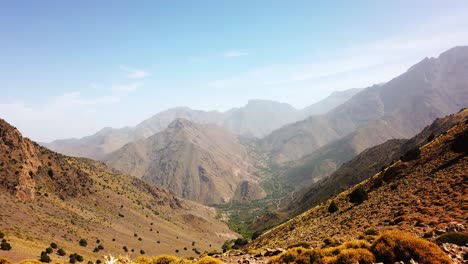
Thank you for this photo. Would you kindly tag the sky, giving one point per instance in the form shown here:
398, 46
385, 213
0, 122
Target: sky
70, 68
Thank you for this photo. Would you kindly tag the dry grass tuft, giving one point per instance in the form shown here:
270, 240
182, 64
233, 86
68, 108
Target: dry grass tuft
394, 246
209, 260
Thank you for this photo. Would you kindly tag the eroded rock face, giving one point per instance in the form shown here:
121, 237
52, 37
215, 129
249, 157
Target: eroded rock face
20, 162
26, 168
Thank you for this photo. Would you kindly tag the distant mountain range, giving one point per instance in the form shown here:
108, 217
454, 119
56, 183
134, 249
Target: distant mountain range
256, 119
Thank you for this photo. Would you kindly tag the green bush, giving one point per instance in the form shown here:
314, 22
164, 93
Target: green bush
53, 245
453, 238
241, 242
430, 138
332, 207
371, 232
5, 245
411, 154
61, 252
49, 250
83, 242
358, 196
75, 257
460, 143
256, 234
44, 257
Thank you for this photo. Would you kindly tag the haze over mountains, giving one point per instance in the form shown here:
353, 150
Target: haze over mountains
399, 108
195, 151
257, 164
256, 119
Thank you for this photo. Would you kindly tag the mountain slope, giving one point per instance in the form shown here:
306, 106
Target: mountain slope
333, 100
47, 197
203, 163
367, 163
256, 119
110, 139
430, 89
421, 196
260, 117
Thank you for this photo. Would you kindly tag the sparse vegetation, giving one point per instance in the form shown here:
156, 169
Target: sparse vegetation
393, 246
454, 238
44, 257
83, 242
75, 257
5, 245
460, 143
411, 154
333, 207
61, 252
53, 245
358, 196
256, 234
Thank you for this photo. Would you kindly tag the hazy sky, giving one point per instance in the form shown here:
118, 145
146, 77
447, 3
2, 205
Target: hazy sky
69, 68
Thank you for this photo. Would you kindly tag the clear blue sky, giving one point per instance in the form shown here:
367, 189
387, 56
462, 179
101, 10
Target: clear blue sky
69, 68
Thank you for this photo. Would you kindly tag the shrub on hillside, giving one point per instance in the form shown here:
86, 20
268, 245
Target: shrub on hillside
53, 245
241, 242
76, 257
61, 252
333, 207
430, 138
393, 246
371, 232
256, 234
83, 242
44, 257
453, 238
358, 196
2, 234
411, 154
460, 143
5, 245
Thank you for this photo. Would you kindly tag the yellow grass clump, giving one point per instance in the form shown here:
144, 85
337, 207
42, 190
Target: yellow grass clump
209, 260
394, 246
163, 259
390, 247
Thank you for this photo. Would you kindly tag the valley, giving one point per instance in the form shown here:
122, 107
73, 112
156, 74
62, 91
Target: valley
368, 175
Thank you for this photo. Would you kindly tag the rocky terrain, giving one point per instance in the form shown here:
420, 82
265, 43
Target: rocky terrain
50, 198
256, 119
400, 108
203, 163
423, 195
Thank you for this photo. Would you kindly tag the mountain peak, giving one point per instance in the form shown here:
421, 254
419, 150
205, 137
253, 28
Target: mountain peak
181, 123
